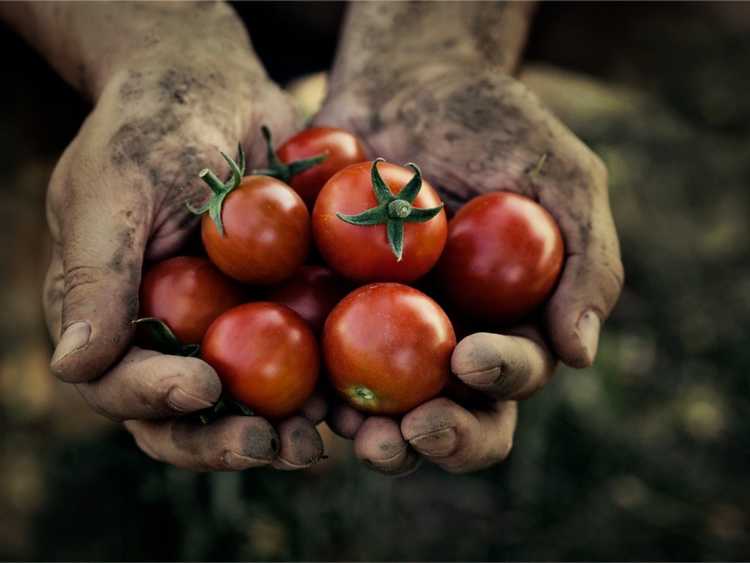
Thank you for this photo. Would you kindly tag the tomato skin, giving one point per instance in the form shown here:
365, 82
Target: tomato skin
341, 147
187, 293
266, 357
266, 232
362, 253
502, 259
311, 293
387, 348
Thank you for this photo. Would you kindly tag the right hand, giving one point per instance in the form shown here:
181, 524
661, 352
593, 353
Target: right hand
117, 196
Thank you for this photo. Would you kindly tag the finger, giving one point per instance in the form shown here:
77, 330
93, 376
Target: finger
345, 420
229, 444
102, 234
146, 385
591, 281
459, 440
301, 445
380, 445
503, 366
316, 407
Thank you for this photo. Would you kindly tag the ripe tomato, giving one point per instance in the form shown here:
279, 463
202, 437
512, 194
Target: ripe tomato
502, 259
387, 348
365, 252
339, 147
187, 293
311, 293
257, 229
266, 357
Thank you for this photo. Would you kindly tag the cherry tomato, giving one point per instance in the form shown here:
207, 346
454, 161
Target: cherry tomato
311, 293
340, 148
502, 259
266, 232
266, 357
387, 348
187, 293
365, 253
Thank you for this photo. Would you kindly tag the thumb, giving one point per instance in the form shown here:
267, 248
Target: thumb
102, 236
591, 280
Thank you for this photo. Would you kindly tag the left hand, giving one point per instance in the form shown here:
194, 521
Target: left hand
473, 131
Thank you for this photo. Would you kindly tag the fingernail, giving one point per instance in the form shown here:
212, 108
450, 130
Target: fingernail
436, 444
588, 327
483, 377
182, 401
75, 337
238, 462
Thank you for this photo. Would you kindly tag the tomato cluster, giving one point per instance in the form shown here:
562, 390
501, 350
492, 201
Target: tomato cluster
270, 319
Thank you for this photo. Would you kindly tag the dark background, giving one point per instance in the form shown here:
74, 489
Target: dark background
644, 456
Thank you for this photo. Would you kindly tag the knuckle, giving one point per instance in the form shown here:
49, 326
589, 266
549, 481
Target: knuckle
81, 276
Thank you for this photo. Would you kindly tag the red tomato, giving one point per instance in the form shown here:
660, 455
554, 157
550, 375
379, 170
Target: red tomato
311, 293
266, 232
266, 357
363, 253
187, 293
387, 348
502, 259
340, 147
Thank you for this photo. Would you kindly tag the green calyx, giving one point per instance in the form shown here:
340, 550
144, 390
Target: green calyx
394, 210
279, 170
161, 338
220, 189
225, 406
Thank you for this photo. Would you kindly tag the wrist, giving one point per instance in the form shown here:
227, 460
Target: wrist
406, 36
91, 43
208, 47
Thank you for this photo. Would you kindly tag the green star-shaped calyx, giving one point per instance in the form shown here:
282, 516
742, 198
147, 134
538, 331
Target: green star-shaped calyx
394, 211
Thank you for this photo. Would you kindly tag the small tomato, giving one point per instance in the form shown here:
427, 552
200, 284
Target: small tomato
311, 293
502, 259
266, 357
187, 293
376, 221
257, 229
387, 348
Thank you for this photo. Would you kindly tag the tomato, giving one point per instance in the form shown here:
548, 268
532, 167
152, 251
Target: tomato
502, 259
257, 229
387, 348
339, 147
311, 293
187, 293
367, 252
266, 357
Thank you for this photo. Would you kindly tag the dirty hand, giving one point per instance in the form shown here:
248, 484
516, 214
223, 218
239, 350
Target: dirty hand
118, 196
473, 128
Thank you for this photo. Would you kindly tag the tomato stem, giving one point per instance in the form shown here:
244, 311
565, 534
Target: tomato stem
393, 210
278, 169
220, 189
216, 185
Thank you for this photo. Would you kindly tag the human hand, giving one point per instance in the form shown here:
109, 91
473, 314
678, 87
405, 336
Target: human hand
117, 196
474, 130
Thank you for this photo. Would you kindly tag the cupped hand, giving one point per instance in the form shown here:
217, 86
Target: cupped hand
118, 196
472, 131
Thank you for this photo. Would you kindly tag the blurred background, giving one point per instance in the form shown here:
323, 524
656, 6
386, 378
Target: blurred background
644, 456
